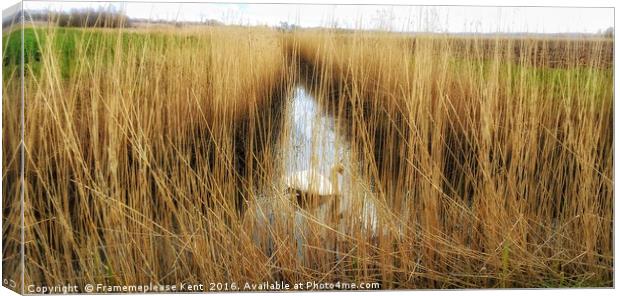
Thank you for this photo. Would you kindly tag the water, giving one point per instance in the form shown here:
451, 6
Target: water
312, 141
315, 143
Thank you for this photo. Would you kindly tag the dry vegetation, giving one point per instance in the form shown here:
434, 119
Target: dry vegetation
146, 155
501, 170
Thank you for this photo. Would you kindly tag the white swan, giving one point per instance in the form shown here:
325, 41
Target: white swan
313, 189
318, 197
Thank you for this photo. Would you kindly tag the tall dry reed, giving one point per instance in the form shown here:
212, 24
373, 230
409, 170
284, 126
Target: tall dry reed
146, 156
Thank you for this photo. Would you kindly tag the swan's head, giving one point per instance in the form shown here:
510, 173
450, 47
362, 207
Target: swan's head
338, 168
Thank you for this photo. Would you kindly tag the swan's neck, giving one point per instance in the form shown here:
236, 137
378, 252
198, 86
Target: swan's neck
333, 178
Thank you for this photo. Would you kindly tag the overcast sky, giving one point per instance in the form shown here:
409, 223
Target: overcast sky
399, 18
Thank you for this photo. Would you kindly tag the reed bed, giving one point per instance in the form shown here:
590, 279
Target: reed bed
150, 156
137, 152
499, 164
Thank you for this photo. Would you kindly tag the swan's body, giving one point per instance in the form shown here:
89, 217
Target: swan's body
313, 189
310, 181
319, 202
